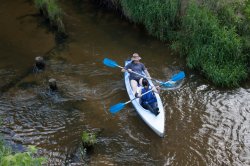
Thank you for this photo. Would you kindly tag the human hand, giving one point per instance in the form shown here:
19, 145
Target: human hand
158, 88
123, 70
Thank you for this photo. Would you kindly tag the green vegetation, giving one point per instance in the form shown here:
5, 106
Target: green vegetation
51, 10
246, 34
88, 139
8, 158
159, 17
213, 48
234, 14
247, 9
213, 35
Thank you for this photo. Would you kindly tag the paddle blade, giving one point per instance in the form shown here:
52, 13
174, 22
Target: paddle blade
178, 76
173, 79
168, 84
115, 108
109, 63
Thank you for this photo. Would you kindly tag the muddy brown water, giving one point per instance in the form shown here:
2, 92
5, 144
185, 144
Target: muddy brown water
205, 125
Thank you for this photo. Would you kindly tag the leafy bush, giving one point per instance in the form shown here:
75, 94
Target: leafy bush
247, 9
7, 158
246, 37
214, 49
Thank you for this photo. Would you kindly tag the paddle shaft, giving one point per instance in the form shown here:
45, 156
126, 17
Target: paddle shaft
138, 74
146, 76
138, 97
178, 76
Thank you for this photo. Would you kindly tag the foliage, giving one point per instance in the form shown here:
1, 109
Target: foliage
7, 158
88, 139
40, 4
246, 36
159, 17
247, 9
51, 10
234, 14
215, 49
4, 151
227, 11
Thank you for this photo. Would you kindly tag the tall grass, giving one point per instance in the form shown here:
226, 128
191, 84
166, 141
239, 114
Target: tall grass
159, 17
51, 10
213, 48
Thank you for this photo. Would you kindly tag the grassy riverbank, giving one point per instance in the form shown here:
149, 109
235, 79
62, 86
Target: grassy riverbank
212, 38
212, 35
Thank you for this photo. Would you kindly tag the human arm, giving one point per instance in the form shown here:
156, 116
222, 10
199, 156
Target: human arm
156, 89
126, 68
144, 69
147, 74
123, 70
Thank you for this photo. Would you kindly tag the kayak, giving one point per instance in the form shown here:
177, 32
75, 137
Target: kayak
156, 123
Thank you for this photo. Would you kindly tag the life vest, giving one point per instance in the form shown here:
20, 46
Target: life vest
149, 97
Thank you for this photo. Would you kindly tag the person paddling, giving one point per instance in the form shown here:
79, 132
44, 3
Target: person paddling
138, 67
149, 101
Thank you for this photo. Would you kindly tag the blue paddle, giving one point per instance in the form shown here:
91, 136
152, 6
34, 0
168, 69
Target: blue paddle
174, 78
170, 83
115, 108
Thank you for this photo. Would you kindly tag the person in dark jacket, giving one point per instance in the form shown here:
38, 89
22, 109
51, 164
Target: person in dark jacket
149, 101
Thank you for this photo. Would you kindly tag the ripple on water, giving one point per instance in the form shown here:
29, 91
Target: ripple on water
28, 119
6, 76
226, 127
85, 80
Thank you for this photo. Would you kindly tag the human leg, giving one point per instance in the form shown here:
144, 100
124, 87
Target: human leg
140, 81
148, 107
155, 108
134, 85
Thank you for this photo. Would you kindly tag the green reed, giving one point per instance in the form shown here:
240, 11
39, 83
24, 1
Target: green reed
158, 17
51, 10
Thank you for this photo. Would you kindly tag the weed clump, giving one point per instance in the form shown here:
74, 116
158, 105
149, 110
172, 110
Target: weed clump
51, 10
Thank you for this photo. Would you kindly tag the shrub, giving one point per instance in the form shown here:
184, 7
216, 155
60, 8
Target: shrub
214, 49
7, 158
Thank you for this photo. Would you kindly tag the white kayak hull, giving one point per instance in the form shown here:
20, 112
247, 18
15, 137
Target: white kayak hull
156, 123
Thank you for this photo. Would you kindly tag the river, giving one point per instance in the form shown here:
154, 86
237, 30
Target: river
205, 125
